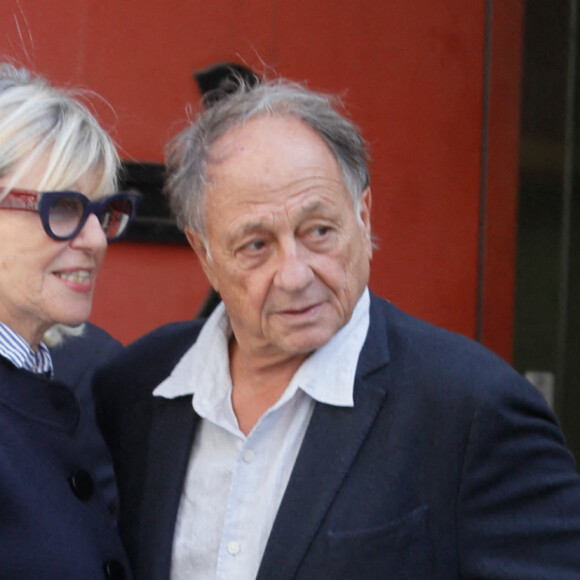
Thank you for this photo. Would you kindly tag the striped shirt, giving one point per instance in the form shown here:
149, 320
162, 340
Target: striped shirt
14, 348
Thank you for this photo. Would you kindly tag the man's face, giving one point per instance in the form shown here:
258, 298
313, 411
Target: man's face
286, 250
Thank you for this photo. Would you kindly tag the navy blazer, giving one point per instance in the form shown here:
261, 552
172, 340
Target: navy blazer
75, 361
450, 465
54, 523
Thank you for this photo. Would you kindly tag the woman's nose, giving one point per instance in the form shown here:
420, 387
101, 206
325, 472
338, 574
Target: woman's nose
91, 236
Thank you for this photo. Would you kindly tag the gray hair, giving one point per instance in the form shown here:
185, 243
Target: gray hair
41, 122
188, 154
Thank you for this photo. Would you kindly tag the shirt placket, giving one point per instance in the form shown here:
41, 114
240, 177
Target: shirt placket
236, 547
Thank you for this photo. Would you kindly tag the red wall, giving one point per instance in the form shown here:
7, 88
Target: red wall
413, 77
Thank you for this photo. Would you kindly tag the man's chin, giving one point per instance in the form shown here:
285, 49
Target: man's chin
304, 344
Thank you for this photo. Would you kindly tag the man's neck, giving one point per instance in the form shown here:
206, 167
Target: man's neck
258, 383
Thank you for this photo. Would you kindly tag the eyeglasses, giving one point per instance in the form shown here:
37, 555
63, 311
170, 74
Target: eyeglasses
64, 213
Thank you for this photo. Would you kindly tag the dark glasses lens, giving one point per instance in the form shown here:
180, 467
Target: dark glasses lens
116, 214
64, 213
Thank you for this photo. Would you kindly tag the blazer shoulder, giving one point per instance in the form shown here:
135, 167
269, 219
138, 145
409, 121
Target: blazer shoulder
169, 342
443, 361
143, 364
78, 356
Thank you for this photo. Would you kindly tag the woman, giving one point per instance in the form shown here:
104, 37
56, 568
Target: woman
57, 173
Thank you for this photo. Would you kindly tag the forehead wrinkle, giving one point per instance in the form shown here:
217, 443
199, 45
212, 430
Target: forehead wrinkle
249, 224
264, 223
251, 228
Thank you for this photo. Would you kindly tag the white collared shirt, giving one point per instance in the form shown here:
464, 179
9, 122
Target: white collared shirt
235, 483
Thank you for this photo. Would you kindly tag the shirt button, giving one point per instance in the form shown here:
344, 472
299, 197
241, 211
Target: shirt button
248, 456
233, 548
82, 484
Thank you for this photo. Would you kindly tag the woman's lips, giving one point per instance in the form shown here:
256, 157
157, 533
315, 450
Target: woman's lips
79, 279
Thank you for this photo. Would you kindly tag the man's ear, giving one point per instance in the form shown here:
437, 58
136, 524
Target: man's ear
365, 208
197, 242
365, 216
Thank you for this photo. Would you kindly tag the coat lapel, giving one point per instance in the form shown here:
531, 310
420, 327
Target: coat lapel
172, 430
331, 444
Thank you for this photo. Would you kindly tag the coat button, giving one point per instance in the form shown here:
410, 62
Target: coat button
114, 570
82, 484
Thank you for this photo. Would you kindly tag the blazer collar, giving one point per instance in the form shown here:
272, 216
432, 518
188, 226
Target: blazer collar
172, 431
331, 444
37, 399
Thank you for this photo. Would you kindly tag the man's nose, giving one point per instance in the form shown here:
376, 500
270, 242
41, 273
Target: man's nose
91, 237
294, 272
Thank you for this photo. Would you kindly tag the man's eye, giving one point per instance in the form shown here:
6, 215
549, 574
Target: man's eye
318, 233
254, 246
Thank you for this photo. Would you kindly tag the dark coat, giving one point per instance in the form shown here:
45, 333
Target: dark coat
75, 361
54, 522
450, 465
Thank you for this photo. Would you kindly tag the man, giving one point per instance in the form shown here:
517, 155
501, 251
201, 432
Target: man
310, 429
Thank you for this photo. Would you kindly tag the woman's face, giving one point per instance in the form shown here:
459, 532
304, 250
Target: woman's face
44, 281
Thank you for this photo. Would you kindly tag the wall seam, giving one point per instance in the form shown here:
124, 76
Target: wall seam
567, 192
482, 225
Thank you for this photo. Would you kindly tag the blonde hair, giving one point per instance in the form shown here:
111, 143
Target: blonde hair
39, 122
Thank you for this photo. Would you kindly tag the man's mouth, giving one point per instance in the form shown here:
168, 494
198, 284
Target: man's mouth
299, 310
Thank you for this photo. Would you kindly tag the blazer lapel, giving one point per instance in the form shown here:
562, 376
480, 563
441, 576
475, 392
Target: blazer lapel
331, 444
172, 430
